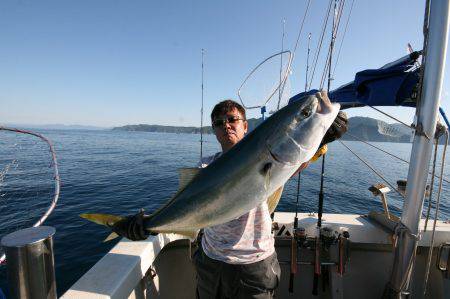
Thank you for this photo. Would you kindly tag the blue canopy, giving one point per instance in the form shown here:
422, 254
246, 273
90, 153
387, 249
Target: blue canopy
394, 84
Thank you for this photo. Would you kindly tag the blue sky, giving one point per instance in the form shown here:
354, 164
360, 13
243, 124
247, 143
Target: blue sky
111, 63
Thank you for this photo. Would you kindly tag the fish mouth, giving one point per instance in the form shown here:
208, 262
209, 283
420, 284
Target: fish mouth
278, 159
274, 156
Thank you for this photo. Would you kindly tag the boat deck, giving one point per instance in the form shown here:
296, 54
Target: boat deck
160, 267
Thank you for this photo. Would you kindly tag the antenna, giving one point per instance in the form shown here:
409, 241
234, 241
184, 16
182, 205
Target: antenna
201, 111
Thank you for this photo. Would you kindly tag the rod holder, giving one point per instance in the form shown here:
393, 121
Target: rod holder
30, 263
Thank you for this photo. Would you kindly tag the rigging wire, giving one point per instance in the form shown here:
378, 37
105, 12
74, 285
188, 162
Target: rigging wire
301, 29
436, 213
371, 168
343, 37
291, 59
334, 30
436, 142
320, 41
390, 116
388, 153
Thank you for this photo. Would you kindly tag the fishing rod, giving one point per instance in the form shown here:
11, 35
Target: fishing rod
280, 91
201, 112
293, 266
307, 62
295, 226
318, 267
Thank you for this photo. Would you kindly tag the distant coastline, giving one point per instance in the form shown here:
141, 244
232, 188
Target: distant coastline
364, 128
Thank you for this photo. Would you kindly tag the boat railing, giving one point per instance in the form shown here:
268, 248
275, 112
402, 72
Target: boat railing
120, 272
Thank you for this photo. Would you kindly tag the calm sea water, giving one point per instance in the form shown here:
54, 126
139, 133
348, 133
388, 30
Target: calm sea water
121, 172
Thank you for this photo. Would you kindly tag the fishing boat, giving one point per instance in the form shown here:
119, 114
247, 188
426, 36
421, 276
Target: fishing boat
327, 255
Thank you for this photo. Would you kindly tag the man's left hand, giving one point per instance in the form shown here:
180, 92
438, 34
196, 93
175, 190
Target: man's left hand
337, 129
132, 227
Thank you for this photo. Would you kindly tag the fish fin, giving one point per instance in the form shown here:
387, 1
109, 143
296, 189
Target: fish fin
191, 235
110, 237
273, 199
186, 175
267, 171
102, 219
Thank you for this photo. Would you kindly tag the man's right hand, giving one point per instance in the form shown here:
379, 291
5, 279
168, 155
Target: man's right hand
132, 227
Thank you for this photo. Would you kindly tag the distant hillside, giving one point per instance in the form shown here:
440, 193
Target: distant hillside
252, 123
370, 129
365, 128
55, 127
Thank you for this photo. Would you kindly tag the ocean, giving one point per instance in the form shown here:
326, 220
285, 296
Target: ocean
120, 172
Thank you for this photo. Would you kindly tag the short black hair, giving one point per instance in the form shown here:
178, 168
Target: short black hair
226, 106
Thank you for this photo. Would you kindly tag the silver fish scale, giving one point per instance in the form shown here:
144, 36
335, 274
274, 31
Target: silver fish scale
236, 182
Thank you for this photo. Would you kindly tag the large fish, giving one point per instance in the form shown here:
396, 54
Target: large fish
248, 173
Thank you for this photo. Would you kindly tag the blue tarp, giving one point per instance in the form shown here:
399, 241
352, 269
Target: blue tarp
394, 84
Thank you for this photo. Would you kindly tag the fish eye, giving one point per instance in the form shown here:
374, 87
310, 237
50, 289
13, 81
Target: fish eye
306, 112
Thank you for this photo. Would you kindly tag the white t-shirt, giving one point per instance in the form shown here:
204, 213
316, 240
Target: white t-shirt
244, 240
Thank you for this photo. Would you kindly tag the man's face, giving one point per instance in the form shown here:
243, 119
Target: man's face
232, 129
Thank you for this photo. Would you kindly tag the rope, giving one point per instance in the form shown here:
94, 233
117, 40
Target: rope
373, 169
388, 153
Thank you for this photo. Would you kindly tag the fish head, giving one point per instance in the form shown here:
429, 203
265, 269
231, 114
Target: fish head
303, 126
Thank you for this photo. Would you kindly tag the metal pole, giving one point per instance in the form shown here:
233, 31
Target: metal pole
427, 110
30, 265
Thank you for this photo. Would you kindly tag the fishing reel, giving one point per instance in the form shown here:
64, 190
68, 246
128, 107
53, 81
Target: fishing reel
332, 239
327, 251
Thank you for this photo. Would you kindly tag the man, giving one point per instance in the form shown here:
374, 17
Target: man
236, 259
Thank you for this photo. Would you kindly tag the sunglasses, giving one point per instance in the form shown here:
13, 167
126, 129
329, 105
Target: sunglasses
219, 122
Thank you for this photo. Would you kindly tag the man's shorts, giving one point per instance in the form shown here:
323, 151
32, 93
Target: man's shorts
218, 280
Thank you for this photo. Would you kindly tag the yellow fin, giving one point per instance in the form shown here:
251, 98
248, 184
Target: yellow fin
110, 237
186, 175
273, 199
102, 219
